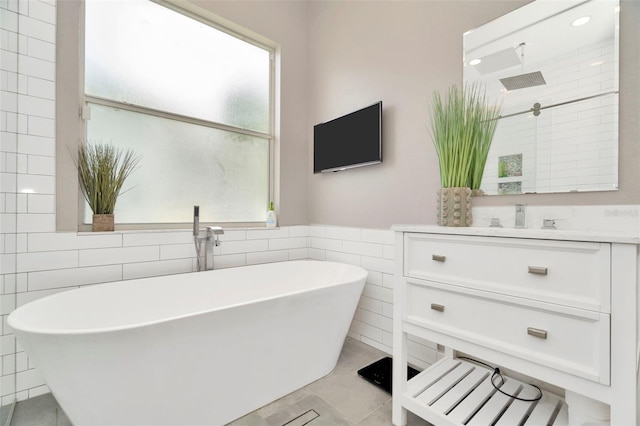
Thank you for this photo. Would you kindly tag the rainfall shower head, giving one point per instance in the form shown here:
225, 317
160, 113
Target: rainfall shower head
523, 81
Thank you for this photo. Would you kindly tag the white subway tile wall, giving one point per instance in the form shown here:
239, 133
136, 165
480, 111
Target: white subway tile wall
373, 250
27, 181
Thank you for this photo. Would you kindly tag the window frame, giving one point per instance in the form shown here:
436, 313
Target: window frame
270, 135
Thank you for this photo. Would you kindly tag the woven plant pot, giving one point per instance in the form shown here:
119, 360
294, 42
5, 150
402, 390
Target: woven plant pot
454, 207
103, 223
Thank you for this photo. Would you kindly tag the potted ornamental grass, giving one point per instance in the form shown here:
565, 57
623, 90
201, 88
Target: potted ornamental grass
463, 123
102, 172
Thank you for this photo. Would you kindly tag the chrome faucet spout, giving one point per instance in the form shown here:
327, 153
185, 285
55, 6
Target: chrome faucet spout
212, 234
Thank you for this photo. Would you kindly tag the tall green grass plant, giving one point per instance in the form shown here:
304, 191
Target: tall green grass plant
462, 128
102, 171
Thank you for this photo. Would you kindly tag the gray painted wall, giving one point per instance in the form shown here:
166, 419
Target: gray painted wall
399, 52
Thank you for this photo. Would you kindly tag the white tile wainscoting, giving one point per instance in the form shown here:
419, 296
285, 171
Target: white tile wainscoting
373, 250
50, 262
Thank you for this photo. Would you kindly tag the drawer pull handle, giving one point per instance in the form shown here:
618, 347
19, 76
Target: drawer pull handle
438, 257
536, 332
538, 270
436, 307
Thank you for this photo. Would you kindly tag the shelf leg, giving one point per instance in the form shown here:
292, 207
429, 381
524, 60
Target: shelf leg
583, 410
399, 377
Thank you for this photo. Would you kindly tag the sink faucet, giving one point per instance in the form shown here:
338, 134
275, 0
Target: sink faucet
210, 239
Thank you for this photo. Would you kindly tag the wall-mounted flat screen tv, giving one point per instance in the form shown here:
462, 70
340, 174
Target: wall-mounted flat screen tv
352, 140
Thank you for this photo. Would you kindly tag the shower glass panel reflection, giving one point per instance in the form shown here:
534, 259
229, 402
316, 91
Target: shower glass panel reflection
571, 146
511, 165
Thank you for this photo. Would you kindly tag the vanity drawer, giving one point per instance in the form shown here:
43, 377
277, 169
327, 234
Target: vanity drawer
570, 273
572, 340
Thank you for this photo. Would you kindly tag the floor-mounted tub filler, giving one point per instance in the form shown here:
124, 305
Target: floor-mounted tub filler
191, 349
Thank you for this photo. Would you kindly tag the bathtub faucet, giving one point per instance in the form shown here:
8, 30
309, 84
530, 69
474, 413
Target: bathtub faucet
210, 239
212, 234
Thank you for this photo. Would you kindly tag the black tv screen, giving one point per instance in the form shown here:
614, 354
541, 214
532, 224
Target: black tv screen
352, 140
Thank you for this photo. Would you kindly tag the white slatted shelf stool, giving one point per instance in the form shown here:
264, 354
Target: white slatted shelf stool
457, 392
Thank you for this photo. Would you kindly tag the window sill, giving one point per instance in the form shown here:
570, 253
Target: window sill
85, 229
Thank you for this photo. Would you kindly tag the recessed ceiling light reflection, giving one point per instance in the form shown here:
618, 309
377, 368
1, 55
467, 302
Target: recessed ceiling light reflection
28, 191
581, 21
475, 61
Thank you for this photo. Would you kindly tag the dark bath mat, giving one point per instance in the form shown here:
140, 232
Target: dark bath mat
379, 373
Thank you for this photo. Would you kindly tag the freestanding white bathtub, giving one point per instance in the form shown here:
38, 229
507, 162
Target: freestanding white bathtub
192, 349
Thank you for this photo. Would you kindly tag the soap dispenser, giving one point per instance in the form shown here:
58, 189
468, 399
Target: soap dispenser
272, 220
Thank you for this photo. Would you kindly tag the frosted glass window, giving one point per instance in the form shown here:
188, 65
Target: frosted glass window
142, 53
194, 101
183, 165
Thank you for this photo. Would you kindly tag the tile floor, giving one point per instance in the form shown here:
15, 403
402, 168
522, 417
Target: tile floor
340, 398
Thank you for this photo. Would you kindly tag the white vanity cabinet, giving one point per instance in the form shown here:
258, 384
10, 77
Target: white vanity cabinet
557, 306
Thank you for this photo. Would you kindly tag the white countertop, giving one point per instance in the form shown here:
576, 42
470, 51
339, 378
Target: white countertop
540, 234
